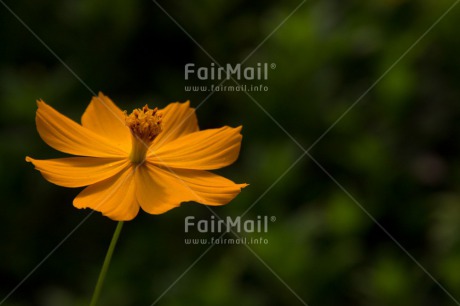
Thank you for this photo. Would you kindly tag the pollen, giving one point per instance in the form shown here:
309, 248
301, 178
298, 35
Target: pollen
145, 124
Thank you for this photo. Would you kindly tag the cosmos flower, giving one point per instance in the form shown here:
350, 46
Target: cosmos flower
150, 159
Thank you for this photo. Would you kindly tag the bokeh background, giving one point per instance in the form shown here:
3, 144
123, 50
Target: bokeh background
396, 152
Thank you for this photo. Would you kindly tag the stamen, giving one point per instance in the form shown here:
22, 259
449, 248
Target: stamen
145, 125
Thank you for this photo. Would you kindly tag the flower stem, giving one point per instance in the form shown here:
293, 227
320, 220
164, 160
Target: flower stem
106, 264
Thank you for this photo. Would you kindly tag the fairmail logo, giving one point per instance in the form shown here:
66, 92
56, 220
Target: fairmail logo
228, 224
228, 71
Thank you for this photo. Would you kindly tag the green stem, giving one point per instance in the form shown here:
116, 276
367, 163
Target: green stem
106, 264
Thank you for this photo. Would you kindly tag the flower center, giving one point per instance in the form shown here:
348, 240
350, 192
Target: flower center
145, 125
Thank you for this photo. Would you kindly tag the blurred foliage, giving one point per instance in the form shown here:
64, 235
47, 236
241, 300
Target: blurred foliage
395, 152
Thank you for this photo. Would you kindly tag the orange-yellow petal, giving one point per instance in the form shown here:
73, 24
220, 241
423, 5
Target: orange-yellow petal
78, 171
103, 117
114, 197
178, 119
67, 136
203, 150
159, 190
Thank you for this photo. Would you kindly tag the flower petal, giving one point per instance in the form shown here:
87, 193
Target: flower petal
103, 117
178, 119
203, 150
159, 190
67, 136
113, 197
78, 171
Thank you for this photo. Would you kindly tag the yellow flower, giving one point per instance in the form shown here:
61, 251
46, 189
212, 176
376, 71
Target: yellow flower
153, 159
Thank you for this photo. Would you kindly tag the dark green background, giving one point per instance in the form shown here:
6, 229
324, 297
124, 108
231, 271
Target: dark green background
396, 152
